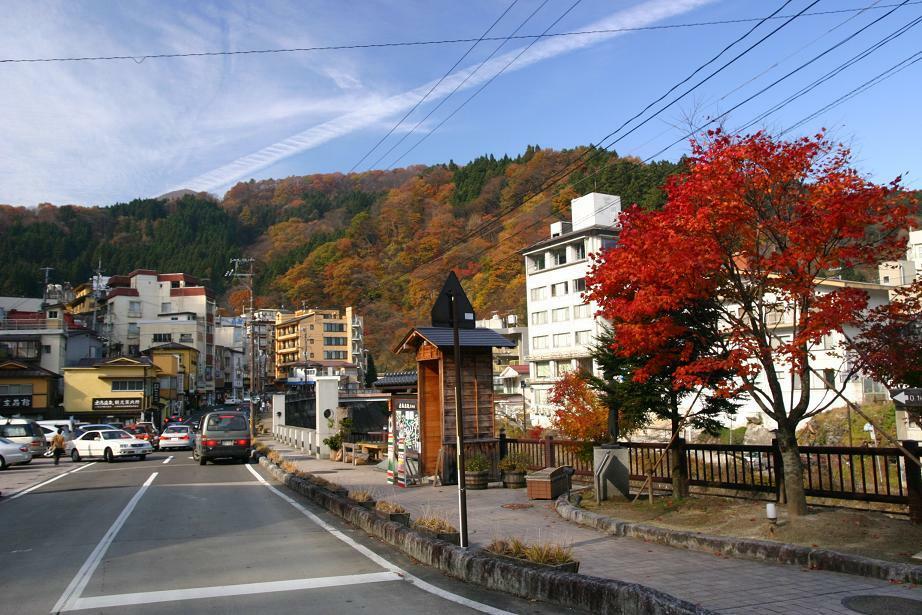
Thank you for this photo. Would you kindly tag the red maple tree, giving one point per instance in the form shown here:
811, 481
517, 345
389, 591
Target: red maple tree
580, 414
767, 226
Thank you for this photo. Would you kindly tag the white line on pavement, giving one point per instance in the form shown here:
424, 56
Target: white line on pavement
423, 585
168, 460
221, 591
79, 582
50, 480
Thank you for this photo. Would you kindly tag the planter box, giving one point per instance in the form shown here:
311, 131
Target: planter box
452, 537
475, 480
568, 567
401, 518
369, 505
546, 484
513, 480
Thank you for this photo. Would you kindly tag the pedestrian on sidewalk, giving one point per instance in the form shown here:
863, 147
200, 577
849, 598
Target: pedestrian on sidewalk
57, 445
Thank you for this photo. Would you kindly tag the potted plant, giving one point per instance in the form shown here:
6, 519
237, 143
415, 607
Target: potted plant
392, 512
335, 443
514, 467
475, 471
437, 527
537, 555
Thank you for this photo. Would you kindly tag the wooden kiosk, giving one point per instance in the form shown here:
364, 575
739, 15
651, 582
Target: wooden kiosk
433, 347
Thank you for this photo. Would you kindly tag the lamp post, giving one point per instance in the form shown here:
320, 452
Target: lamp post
524, 384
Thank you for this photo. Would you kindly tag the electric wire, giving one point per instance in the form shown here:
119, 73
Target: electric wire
432, 89
448, 41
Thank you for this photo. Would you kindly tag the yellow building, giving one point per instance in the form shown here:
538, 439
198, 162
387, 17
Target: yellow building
178, 365
122, 388
325, 337
27, 390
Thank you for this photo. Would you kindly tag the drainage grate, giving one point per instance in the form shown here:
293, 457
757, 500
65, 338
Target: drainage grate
883, 605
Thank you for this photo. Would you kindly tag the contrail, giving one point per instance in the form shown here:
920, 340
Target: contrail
638, 16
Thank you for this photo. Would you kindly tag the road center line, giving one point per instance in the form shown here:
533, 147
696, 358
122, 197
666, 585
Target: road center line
222, 591
389, 566
80, 580
168, 460
50, 480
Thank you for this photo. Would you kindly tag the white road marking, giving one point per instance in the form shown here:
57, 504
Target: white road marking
423, 585
168, 460
221, 591
79, 582
50, 480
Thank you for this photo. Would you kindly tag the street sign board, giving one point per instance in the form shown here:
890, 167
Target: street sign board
907, 397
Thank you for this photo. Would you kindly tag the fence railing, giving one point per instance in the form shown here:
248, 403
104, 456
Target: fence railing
548, 452
302, 438
367, 436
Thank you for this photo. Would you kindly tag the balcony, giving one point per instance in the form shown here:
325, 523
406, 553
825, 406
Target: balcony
31, 324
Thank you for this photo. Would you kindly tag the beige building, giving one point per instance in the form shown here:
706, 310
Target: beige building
122, 388
318, 338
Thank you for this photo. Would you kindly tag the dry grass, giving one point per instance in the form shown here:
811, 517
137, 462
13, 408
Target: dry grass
361, 495
389, 507
547, 553
435, 523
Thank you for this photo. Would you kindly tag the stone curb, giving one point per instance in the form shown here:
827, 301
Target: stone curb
592, 594
745, 548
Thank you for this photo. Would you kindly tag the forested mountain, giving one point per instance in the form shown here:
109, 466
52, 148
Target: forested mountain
382, 241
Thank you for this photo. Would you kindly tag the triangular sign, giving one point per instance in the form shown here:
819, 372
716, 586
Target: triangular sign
441, 311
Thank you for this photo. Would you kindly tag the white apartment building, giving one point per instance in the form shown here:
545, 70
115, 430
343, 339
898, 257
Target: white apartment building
145, 308
562, 327
903, 272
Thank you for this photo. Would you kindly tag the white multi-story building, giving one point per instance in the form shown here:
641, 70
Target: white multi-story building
145, 308
562, 327
905, 271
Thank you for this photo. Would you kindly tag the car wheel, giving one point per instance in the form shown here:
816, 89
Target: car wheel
75, 455
108, 456
142, 457
3, 465
202, 461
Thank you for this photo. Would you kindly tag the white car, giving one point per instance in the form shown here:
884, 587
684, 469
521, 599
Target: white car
110, 444
13, 453
177, 436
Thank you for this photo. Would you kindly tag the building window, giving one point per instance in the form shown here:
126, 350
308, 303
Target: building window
539, 318
539, 342
538, 294
127, 385
163, 337
559, 289
334, 327
561, 340
543, 369
185, 337
536, 263
134, 309
334, 355
15, 389
608, 244
335, 341
579, 285
559, 257
581, 311
583, 338
795, 380
563, 368
46, 348
830, 376
134, 350
166, 307
134, 330
584, 364
560, 314
579, 251
52, 313
25, 349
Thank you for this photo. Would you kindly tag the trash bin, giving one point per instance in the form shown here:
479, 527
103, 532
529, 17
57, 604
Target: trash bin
546, 484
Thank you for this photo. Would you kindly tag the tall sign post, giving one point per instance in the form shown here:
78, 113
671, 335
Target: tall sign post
459, 422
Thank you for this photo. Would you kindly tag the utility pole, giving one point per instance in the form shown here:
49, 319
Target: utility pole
47, 271
247, 277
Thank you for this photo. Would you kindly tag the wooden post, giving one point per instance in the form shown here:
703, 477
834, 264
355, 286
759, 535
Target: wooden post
503, 444
550, 460
778, 464
913, 480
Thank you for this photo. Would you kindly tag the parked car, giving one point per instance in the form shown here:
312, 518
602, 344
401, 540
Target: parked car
109, 444
52, 428
177, 436
224, 435
144, 431
13, 453
24, 431
92, 426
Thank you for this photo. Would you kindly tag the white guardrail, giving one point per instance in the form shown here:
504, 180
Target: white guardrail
300, 438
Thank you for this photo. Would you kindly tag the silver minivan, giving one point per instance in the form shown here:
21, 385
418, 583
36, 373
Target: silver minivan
24, 431
224, 435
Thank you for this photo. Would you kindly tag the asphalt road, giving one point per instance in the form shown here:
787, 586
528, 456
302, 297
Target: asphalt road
175, 537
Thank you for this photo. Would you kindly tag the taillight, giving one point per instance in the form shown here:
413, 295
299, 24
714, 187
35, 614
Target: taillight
36, 442
242, 442
211, 442
24, 448
183, 437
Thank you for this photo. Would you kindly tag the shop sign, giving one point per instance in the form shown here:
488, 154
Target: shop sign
116, 403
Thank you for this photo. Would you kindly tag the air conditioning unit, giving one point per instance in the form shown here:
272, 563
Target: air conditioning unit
511, 320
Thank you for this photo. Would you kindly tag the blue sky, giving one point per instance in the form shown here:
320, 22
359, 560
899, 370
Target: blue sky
105, 131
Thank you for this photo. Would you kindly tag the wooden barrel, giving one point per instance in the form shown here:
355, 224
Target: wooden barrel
475, 480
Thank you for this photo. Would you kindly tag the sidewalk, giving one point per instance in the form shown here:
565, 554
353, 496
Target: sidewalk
721, 584
18, 478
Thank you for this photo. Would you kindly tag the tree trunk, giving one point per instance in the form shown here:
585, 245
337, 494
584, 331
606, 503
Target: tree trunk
793, 471
678, 467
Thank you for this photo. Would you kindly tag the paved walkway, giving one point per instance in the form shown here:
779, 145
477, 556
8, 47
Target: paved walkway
722, 584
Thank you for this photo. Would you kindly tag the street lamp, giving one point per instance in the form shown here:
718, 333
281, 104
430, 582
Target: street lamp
523, 383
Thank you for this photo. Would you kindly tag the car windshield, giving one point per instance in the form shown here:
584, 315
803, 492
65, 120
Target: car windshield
226, 422
15, 431
116, 435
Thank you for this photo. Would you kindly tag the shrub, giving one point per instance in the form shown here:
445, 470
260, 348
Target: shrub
361, 495
335, 442
435, 523
515, 462
389, 507
477, 463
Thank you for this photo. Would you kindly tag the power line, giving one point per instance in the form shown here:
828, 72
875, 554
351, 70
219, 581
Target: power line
432, 89
161, 56
457, 87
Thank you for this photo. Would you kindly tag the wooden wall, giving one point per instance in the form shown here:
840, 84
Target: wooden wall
476, 393
430, 415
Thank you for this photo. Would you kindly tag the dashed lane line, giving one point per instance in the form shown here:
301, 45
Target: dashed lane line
168, 460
